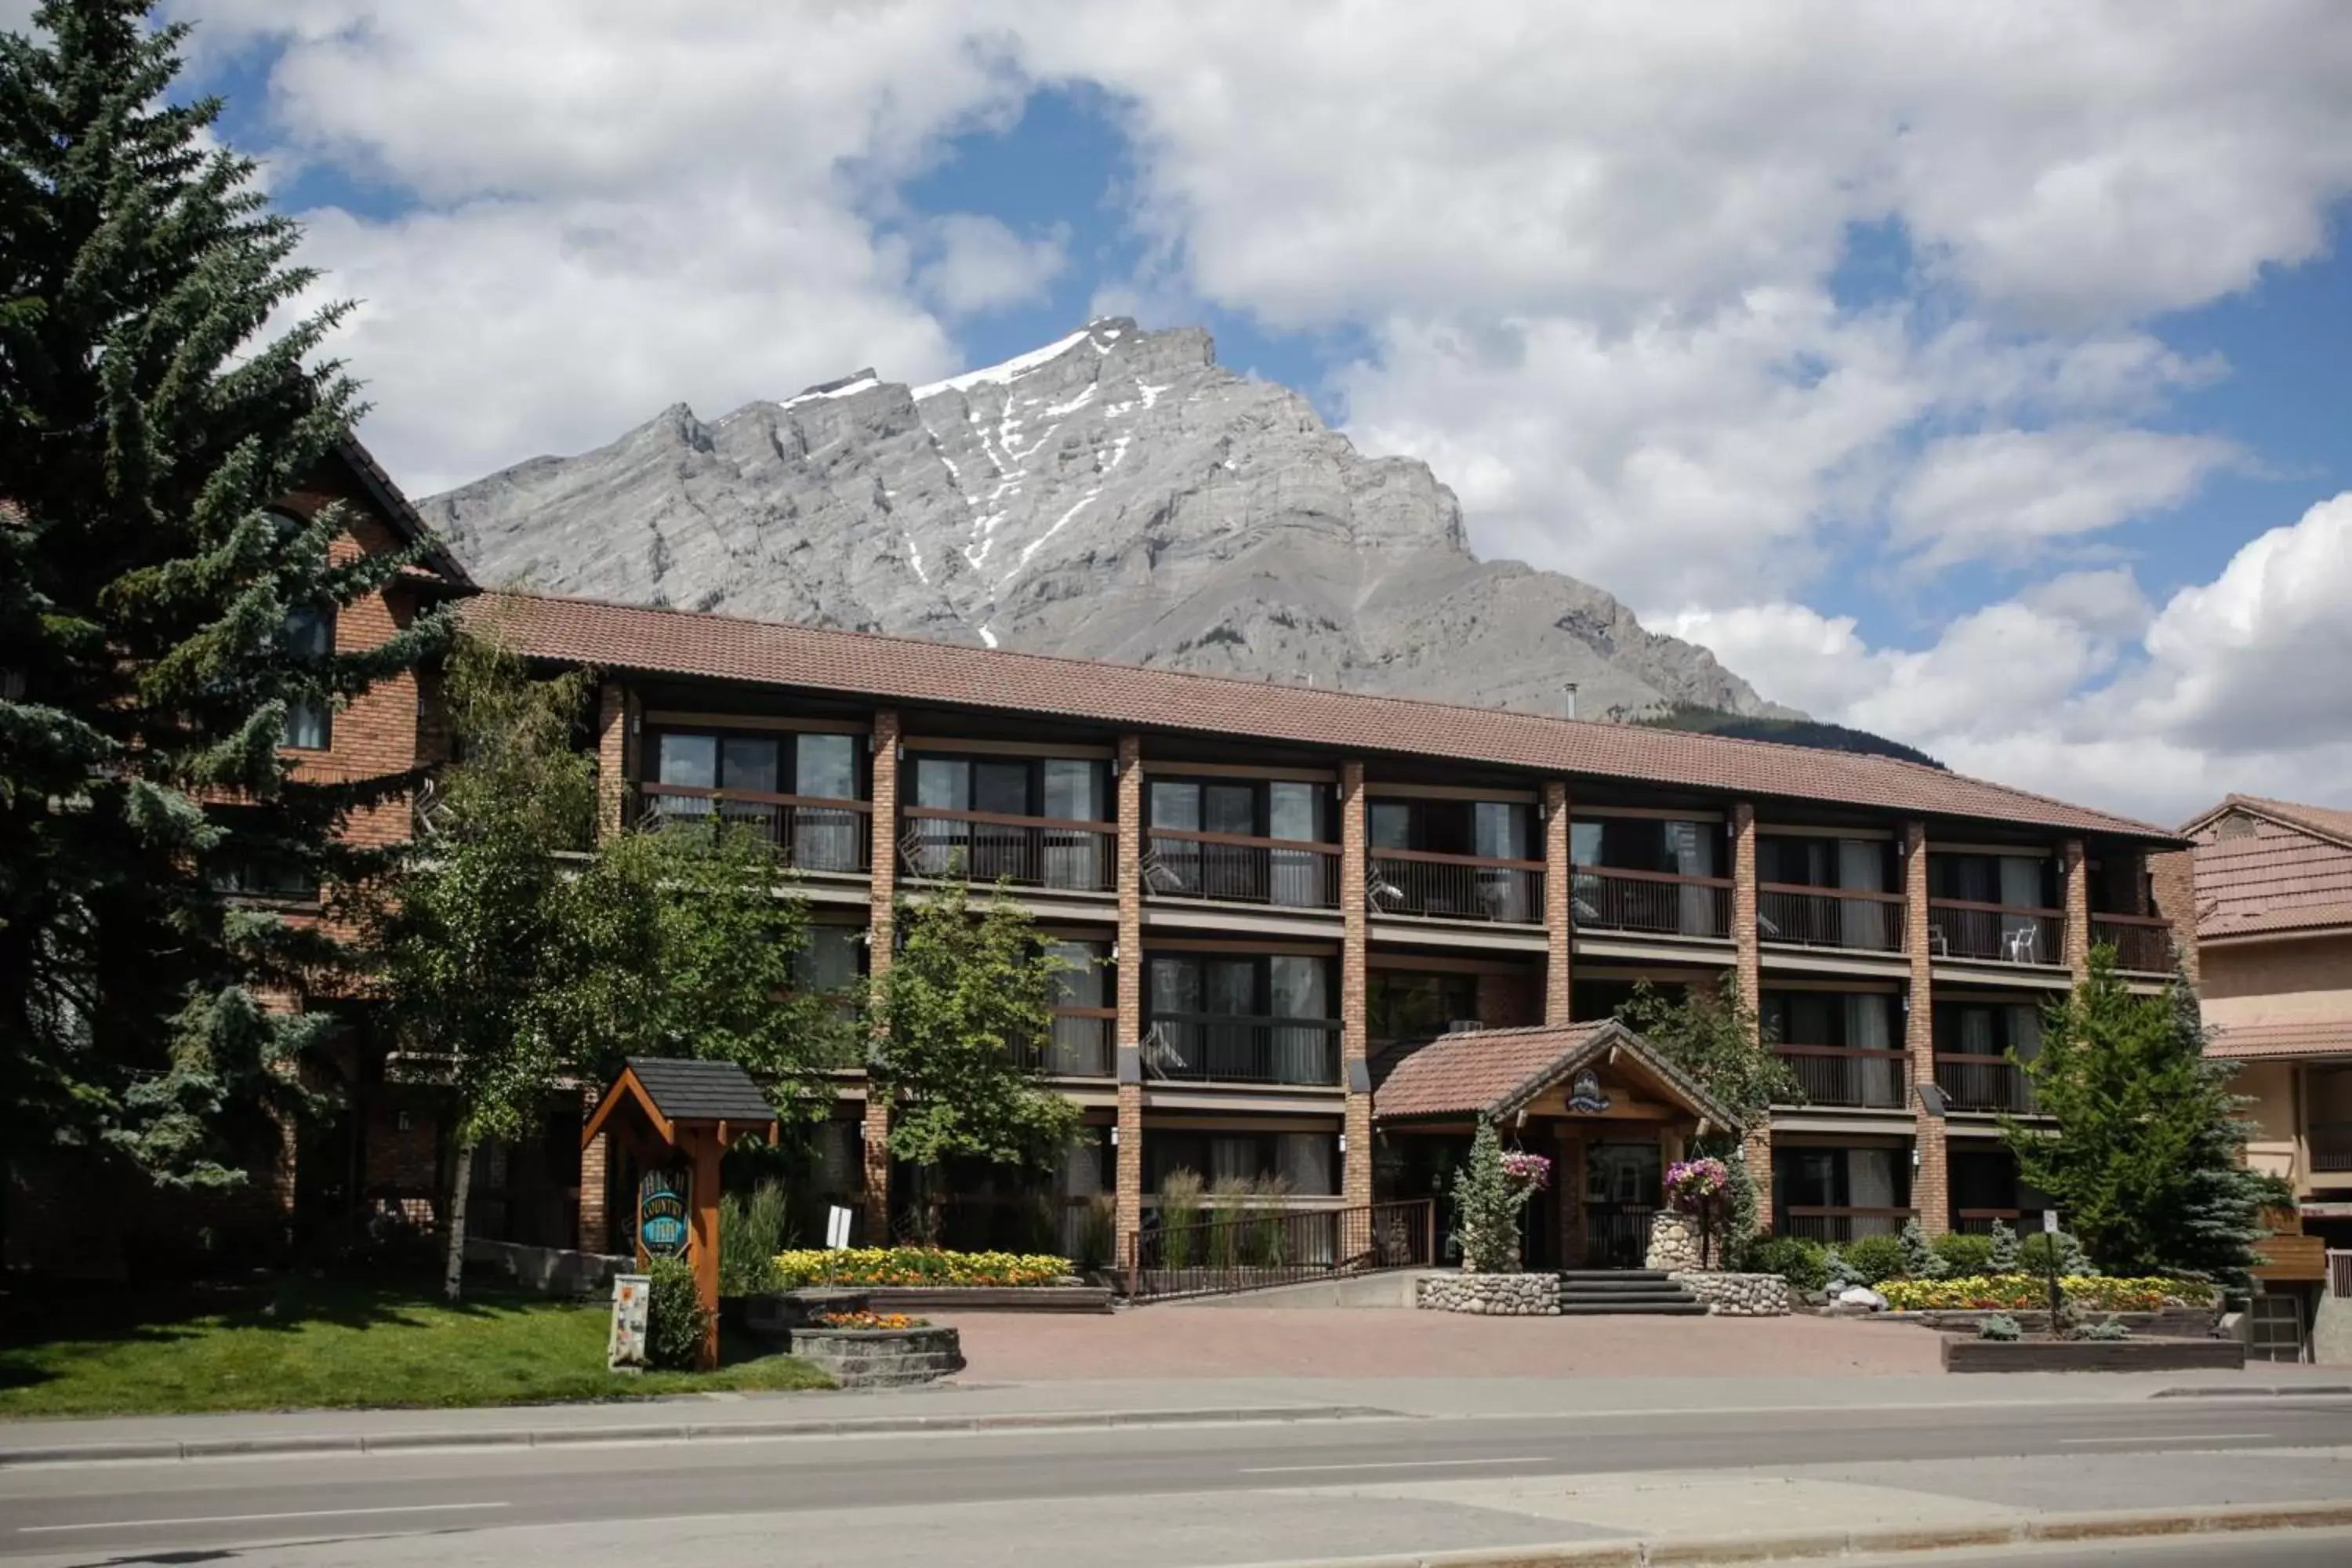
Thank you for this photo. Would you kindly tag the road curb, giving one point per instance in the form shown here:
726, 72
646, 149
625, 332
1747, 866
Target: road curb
2257, 1391
282, 1445
1797, 1546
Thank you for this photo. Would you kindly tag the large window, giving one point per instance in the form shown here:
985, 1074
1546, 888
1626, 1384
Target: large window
2017, 881
1248, 1018
1081, 1044
1307, 1164
978, 792
1649, 848
1863, 1191
830, 963
750, 770
1400, 1004
311, 640
1292, 810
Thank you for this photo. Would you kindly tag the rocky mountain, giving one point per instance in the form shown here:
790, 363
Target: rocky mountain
1114, 495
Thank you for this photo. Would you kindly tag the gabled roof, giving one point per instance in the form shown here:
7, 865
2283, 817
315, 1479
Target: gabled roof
678, 1093
2306, 1038
1494, 1072
675, 642
398, 511
2266, 867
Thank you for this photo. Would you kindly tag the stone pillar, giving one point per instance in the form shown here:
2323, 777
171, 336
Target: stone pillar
1930, 1186
1559, 997
2074, 885
616, 750
1129, 1030
881, 932
2172, 879
594, 1227
1356, 1163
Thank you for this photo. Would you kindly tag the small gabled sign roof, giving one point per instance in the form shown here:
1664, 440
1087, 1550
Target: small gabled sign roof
674, 1093
1491, 1073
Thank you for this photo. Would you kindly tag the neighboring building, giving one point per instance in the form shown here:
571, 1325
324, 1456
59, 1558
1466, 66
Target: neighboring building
2274, 944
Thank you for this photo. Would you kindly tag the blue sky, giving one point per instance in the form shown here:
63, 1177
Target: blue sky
1969, 371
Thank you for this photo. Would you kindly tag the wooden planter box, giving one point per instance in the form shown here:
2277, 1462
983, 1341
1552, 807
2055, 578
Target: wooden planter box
880, 1358
1961, 1355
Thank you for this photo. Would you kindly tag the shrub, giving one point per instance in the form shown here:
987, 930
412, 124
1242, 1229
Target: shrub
916, 1265
750, 1234
1097, 1233
1920, 1261
1486, 1208
2106, 1330
2004, 1248
676, 1318
1999, 1326
2033, 1254
1233, 1213
1840, 1274
1877, 1259
2024, 1293
1179, 1211
1965, 1254
1802, 1262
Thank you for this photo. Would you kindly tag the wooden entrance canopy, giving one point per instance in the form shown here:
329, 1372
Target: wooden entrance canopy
1491, 1074
674, 1113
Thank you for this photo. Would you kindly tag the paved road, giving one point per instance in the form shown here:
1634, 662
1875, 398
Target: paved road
1180, 1495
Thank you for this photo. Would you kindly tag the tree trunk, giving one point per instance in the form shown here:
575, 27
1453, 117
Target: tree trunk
453, 1268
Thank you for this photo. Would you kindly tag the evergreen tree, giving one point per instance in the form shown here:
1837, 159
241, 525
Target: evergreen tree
148, 420
1486, 1207
2004, 1248
2146, 1161
1920, 1261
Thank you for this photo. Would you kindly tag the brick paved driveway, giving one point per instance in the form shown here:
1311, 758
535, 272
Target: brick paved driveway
1377, 1342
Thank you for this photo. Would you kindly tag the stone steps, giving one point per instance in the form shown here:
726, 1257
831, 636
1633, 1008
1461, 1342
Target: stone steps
1644, 1293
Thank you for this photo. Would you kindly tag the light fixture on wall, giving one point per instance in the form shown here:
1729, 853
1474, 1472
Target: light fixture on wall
1343, 1143
1114, 1137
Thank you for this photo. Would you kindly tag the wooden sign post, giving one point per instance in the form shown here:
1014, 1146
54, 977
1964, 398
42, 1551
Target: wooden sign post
677, 1118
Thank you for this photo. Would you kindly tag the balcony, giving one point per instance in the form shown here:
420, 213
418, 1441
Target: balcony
1078, 1045
1218, 1048
812, 832
1833, 1075
1843, 1224
1983, 1083
1980, 1222
1829, 917
1657, 902
1027, 851
1996, 933
2331, 1145
1232, 868
2143, 943
1427, 886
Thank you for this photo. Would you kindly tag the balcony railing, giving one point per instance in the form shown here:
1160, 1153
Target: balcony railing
1291, 873
2331, 1145
1217, 1047
1833, 1075
1843, 1224
1980, 1222
1614, 899
1830, 917
1078, 1045
2143, 943
1277, 1245
1028, 851
1983, 1083
812, 833
1456, 887
2000, 933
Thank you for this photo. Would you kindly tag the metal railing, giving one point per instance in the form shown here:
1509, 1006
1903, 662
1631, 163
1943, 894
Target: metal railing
812, 833
1291, 873
1253, 1249
1980, 1222
1996, 933
2339, 1274
1833, 1075
1613, 899
2331, 1145
1617, 1235
1983, 1083
1028, 851
1843, 1224
1221, 1047
2143, 943
1078, 1044
1829, 917
1456, 887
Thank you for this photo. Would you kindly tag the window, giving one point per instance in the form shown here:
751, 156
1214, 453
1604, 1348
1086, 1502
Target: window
830, 963
1688, 849
977, 847
751, 769
1290, 810
1081, 1044
1306, 1162
1230, 1018
1403, 1006
311, 640
2019, 882
1490, 830
1989, 1029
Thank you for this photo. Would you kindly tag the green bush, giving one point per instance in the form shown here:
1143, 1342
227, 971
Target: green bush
1179, 1211
1801, 1261
2033, 1254
750, 1234
1999, 1326
1920, 1260
2107, 1330
676, 1318
1965, 1254
1877, 1259
1097, 1233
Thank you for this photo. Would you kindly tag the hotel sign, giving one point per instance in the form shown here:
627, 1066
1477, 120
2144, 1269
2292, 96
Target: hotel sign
1584, 1093
662, 1228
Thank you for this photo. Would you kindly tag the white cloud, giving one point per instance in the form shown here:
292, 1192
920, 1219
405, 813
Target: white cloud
2006, 494
983, 265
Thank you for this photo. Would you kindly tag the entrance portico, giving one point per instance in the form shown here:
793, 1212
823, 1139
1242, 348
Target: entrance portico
1604, 1106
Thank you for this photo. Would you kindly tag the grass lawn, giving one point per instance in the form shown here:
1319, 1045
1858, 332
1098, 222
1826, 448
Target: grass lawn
326, 1344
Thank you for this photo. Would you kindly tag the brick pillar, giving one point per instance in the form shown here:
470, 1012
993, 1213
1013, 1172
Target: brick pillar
880, 932
616, 746
1749, 965
1128, 1029
1355, 1164
2074, 883
2172, 878
1557, 994
594, 1232
1930, 1186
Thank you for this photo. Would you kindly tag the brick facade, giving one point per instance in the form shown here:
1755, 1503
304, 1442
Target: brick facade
1930, 1178
881, 935
2074, 887
2172, 877
1355, 1035
1128, 1033
1558, 893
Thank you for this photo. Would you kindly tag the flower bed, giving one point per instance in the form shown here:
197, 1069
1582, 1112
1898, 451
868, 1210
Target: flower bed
870, 1320
2012, 1292
917, 1266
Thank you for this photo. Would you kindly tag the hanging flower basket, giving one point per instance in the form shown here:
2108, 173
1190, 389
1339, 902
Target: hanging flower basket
1526, 1173
1699, 1188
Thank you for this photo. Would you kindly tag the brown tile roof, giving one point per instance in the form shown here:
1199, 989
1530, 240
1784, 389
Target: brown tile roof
2271, 866
2307, 1037
1491, 1072
675, 642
